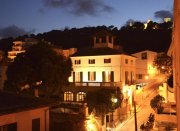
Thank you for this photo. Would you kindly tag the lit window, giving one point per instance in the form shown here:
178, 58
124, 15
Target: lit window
91, 61
126, 61
68, 96
144, 56
77, 62
91, 76
77, 76
81, 96
108, 76
107, 60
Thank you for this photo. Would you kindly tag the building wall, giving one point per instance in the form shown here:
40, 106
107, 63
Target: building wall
145, 67
117, 65
174, 50
24, 119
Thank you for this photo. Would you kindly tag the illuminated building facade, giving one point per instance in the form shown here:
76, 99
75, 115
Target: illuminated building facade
20, 46
144, 66
104, 66
174, 51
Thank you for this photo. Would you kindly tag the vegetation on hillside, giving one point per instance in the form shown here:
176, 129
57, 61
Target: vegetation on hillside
39, 67
156, 37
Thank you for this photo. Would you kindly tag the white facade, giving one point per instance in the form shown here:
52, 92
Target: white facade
144, 65
115, 68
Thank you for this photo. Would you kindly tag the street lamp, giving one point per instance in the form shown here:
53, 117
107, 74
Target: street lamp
114, 101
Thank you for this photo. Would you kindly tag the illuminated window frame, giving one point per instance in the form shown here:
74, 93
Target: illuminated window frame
80, 97
68, 96
91, 76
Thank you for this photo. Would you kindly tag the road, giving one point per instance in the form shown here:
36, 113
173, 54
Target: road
143, 112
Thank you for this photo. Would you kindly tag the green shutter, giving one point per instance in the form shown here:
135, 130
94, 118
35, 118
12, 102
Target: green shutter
81, 76
103, 76
88, 75
112, 76
73, 76
94, 75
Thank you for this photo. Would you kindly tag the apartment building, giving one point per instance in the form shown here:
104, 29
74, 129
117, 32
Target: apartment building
145, 71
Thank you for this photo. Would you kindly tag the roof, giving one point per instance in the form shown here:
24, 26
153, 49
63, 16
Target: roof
103, 33
98, 52
10, 103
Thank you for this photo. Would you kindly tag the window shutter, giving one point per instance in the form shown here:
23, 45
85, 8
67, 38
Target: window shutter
112, 76
88, 75
94, 75
81, 76
103, 76
73, 76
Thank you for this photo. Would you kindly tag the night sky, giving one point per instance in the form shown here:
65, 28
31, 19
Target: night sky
18, 17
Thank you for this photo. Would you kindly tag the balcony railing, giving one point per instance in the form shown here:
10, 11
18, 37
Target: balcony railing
98, 84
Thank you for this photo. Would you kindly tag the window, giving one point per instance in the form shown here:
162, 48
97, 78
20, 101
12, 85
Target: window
107, 60
104, 39
36, 124
126, 61
91, 76
81, 96
139, 76
9, 127
132, 77
110, 39
68, 96
91, 61
77, 62
108, 76
77, 76
144, 56
132, 61
126, 77
97, 40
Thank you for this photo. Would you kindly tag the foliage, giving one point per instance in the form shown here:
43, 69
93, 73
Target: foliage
38, 64
163, 63
156, 103
101, 101
149, 124
129, 37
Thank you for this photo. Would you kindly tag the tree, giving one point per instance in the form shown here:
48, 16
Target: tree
102, 101
163, 63
156, 103
41, 66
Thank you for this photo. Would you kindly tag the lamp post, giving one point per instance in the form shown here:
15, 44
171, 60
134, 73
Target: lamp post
114, 101
135, 117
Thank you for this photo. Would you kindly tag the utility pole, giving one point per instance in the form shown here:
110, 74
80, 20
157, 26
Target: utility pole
135, 118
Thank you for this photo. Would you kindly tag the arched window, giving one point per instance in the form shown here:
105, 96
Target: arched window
68, 96
81, 96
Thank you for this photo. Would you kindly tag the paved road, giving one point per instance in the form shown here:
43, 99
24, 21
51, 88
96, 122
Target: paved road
143, 112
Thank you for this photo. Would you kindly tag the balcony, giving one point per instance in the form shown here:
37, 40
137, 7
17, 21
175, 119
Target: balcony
98, 84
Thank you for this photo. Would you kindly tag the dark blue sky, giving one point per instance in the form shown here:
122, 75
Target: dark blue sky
38, 16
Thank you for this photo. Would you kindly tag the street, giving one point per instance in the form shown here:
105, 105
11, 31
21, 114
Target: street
143, 112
